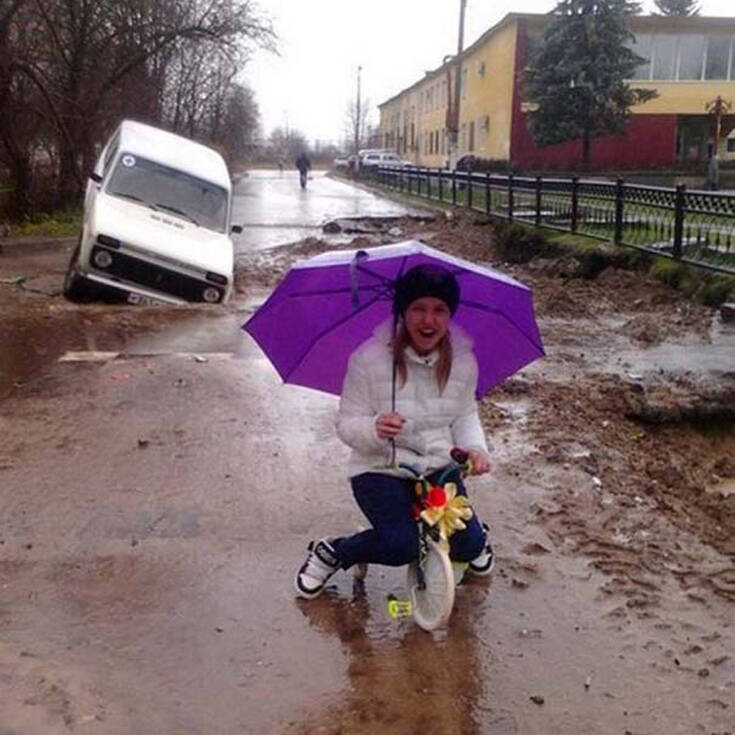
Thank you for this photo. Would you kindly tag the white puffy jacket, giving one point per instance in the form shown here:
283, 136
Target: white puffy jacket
435, 422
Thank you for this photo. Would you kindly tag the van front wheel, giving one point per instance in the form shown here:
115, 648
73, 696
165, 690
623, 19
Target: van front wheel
76, 288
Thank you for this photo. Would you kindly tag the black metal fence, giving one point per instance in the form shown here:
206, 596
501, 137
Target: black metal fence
697, 227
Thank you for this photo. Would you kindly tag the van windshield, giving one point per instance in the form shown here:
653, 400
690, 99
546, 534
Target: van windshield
169, 190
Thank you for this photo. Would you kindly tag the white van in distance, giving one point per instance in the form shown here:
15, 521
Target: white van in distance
156, 225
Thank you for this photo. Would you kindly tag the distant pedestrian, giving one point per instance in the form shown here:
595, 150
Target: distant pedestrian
713, 175
303, 164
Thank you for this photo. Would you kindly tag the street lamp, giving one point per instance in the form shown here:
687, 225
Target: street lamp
357, 115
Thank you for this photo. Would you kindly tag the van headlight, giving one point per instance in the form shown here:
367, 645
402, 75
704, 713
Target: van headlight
211, 295
102, 259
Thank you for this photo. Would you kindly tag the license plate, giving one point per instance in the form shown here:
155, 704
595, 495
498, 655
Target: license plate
136, 298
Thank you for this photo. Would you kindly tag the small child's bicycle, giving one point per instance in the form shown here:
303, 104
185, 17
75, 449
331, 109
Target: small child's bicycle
439, 512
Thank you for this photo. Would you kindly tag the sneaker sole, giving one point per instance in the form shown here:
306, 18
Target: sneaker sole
481, 572
306, 595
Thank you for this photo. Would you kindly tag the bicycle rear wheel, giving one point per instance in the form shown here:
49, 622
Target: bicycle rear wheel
432, 605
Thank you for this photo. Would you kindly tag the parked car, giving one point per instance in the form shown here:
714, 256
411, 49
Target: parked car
341, 162
373, 159
157, 222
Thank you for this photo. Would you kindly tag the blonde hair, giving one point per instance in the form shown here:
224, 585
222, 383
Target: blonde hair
443, 365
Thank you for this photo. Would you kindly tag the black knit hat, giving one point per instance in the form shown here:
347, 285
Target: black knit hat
425, 280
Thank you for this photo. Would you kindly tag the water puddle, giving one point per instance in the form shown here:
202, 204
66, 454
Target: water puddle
265, 203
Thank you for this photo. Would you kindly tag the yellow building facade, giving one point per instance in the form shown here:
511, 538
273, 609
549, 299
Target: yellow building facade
690, 62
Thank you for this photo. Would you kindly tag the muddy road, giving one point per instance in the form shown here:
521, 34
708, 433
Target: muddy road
159, 485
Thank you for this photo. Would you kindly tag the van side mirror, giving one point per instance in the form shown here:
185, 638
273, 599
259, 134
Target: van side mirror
95, 177
236, 229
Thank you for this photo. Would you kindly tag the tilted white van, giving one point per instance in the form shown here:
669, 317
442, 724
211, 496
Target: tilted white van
157, 222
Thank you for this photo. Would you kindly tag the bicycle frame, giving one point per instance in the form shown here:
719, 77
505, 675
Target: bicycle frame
461, 462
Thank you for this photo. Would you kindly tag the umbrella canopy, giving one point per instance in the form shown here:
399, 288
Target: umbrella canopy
326, 306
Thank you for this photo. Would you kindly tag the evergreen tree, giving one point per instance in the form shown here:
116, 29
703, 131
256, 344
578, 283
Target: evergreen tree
576, 78
677, 7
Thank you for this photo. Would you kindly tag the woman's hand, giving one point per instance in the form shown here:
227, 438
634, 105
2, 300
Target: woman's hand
389, 425
479, 462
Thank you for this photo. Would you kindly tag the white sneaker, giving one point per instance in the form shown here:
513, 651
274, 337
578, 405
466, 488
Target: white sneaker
482, 565
321, 563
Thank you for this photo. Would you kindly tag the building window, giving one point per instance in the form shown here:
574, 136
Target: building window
718, 57
471, 145
664, 57
643, 48
685, 57
691, 56
731, 145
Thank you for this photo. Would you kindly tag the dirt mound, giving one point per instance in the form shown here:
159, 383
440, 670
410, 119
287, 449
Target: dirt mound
637, 496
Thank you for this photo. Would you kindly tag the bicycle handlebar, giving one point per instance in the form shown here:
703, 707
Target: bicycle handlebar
461, 462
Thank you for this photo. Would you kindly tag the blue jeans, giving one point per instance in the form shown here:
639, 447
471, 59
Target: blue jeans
387, 502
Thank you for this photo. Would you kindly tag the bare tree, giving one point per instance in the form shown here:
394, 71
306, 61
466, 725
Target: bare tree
93, 61
356, 125
240, 123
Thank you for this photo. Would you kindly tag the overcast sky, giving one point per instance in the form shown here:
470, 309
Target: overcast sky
322, 42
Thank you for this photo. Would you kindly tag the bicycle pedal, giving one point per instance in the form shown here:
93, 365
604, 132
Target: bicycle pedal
399, 608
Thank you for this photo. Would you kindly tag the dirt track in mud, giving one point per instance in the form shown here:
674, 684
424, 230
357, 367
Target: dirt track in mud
613, 513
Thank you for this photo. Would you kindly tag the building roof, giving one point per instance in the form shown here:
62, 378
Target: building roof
175, 151
644, 23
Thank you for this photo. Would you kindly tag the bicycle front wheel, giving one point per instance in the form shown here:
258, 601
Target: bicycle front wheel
432, 605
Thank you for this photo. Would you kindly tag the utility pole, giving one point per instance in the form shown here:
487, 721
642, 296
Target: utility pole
453, 128
357, 113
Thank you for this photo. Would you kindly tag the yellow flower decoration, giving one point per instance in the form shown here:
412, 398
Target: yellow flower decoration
449, 517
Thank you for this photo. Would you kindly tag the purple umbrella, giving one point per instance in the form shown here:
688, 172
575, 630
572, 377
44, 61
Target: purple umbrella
328, 305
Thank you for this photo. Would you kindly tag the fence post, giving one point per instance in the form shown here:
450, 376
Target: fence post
487, 193
619, 211
454, 187
469, 189
679, 220
510, 197
538, 201
575, 202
